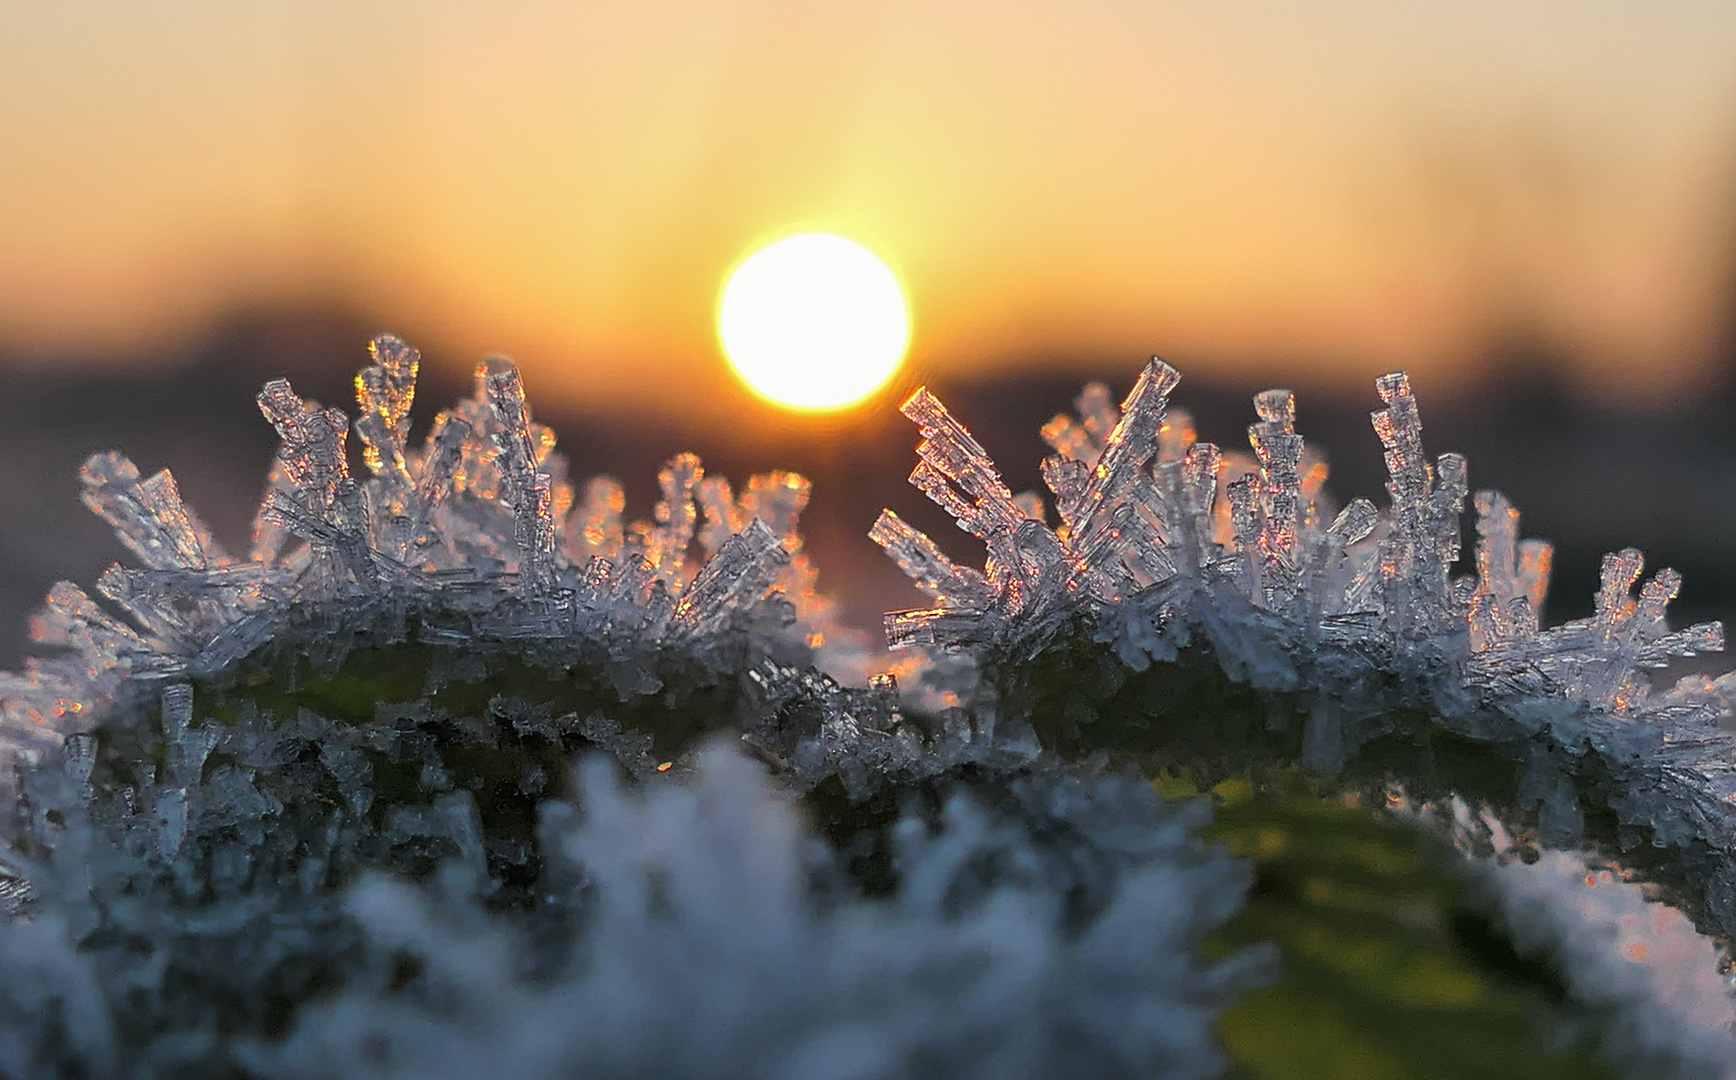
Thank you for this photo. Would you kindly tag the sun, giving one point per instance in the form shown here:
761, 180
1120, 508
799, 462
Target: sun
813, 322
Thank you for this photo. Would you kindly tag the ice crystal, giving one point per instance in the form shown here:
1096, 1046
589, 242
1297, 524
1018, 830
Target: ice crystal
1163, 543
474, 532
312, 811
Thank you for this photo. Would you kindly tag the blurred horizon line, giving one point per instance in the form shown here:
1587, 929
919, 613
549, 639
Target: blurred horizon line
1510, 358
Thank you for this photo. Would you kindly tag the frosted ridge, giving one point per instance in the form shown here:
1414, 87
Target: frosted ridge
1163, 542
478, 524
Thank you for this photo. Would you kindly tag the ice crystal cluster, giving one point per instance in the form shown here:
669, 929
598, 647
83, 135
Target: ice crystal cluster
478, 531
456, 770
1163, 543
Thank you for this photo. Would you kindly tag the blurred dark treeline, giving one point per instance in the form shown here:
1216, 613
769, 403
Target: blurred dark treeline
1587, 475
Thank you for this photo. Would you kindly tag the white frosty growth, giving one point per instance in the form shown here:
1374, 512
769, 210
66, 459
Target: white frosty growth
1619, 949
1163, 542
479, 522
708, 954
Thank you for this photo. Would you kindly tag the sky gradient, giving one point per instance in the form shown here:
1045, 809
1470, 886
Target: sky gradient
1352, 186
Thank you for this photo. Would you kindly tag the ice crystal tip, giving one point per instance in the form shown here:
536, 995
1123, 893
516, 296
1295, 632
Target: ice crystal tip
1276, 407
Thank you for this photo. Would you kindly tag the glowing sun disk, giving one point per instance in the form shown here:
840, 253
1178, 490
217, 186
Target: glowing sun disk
813, 322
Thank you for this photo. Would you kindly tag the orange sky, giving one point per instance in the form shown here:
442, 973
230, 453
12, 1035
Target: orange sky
1355, 185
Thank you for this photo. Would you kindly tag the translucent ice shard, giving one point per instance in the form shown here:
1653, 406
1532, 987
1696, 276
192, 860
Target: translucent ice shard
321, 503
1407, 583
925, 564
743, 569
1112, 529
385, 391
1512, 576
1110, 539
596, 528
147, 515
1279, 450
526, 489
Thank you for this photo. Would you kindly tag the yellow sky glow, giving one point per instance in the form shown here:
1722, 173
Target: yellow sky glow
1353, 185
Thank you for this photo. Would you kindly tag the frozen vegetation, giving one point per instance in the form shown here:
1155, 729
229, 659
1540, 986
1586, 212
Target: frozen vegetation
1351, 623
458, 770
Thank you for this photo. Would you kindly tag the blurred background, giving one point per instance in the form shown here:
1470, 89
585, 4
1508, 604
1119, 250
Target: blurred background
1530, 206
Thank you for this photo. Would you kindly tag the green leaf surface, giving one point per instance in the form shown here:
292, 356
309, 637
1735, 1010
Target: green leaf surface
1393, 965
